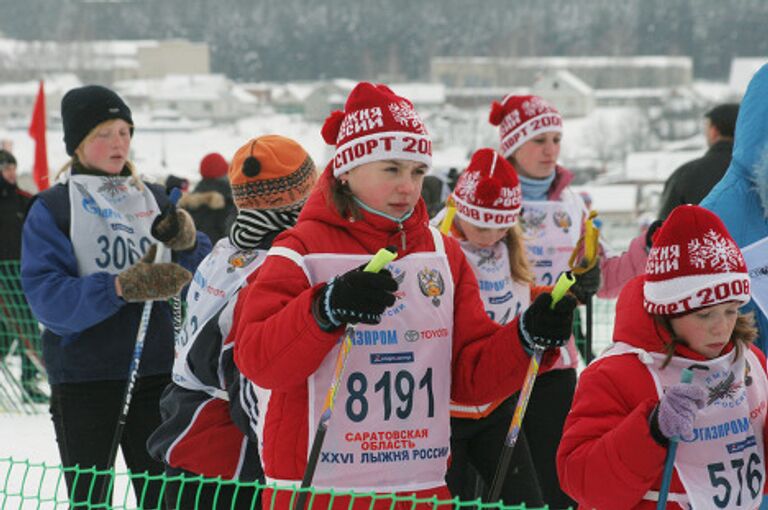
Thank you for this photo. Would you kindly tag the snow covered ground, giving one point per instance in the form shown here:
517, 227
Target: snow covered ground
31, 438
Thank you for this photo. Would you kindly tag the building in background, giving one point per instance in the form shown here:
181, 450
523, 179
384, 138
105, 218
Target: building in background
104, 62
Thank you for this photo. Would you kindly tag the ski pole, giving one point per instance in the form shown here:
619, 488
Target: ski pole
669, 461
561, 287
590, 243
133, 372
174, 196
383, 257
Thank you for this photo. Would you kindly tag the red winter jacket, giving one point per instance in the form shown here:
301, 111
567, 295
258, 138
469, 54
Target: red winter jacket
607, 458
279, 344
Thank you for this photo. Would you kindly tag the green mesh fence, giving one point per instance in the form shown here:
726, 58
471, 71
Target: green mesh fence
603, 315
28, 485
21, 370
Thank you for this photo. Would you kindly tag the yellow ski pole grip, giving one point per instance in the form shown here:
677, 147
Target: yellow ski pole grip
383, 257
561, 287
450, 212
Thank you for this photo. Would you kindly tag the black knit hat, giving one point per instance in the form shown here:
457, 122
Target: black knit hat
84, 108
6, 158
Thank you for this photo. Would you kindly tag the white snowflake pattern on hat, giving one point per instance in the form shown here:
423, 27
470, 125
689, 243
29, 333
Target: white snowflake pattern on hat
406, 116
535, 106
715, 251
469, 186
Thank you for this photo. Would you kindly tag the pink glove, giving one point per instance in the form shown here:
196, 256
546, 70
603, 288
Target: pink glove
677, 409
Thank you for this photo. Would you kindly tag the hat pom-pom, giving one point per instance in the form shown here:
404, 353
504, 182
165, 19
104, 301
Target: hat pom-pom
488, 191
251, 166
497, 113
331, 126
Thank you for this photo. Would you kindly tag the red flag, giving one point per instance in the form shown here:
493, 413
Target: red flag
37, 132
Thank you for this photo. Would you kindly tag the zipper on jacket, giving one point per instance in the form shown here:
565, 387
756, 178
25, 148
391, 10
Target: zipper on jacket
402, 236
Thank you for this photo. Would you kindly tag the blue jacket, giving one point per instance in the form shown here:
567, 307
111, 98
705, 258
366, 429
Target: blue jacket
90, 332
740, 199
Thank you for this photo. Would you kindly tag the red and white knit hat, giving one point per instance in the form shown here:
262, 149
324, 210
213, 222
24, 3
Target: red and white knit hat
376, 124
487, 193
520, 118
693, 263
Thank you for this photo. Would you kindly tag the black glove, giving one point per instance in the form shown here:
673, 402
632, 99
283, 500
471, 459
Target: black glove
586, 284
174, 228
355, 296
652, 228
544, 328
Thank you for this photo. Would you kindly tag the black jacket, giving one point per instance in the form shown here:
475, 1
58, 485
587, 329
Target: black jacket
13, 209
212, 207
690, 183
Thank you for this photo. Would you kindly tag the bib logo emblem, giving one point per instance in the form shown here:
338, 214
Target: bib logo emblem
241, 259
411, 335
114, 190
431, 284
489, 259
724, 390
562, 220
532, 221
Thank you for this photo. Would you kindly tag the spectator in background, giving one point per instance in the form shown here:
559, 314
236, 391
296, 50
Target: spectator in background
740, 199
210, 203
13, 208
173, 181
690, 183
436, 189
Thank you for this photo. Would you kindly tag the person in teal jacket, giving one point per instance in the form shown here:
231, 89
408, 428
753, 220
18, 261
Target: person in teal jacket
740, 199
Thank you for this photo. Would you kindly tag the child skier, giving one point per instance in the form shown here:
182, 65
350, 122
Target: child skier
206, 428
85, 279
422, 335
488, 202
683, 314
553, 218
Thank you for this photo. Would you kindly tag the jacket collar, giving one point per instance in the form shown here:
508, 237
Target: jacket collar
372, 231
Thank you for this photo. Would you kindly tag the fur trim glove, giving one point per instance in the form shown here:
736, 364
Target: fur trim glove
175, 228
544, 328
147, 281
355, 296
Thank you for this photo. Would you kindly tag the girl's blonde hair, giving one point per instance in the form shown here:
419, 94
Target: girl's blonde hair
76, 158
744, 333
519, 265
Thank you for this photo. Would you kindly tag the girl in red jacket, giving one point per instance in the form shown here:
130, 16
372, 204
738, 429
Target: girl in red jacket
683, 313
422, 336
488, 203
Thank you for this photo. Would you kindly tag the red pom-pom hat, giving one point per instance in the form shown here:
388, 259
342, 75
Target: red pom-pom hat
521, 118
487, 193
694, 263
376, 125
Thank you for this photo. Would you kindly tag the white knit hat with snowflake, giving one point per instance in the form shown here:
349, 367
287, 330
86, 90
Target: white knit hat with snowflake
693, 263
